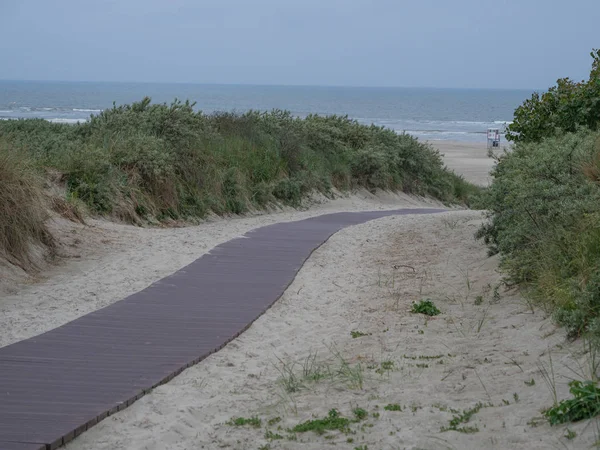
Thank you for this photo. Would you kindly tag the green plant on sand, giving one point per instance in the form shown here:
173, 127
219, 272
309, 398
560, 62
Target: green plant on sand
585, 404
425, 307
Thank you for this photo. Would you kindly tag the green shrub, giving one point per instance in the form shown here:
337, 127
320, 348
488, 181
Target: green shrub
544, 212
564, 108
289, 191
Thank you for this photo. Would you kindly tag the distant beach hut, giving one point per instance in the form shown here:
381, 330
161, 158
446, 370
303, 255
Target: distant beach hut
493, 137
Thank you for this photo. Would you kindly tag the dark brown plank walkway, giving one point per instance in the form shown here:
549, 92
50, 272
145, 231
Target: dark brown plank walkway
57, 385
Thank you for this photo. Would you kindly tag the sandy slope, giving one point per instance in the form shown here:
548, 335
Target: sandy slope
484, 347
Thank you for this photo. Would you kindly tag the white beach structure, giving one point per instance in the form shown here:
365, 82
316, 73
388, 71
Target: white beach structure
493, 137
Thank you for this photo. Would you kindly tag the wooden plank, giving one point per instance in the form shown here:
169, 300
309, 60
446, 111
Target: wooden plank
21, 446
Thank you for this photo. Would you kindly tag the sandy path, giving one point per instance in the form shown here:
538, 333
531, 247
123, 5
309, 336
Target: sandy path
299, 360
107, 261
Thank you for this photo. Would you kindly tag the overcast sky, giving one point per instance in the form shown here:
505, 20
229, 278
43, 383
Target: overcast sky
433, 43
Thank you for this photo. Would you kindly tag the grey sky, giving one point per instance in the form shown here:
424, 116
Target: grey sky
436, 43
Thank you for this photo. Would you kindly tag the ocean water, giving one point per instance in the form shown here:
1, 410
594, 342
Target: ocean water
433, 114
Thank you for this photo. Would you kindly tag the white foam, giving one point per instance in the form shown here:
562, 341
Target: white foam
86, 110
63, 120
427, 132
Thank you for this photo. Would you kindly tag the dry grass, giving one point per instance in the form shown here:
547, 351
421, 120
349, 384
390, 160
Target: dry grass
67, 209
22, 211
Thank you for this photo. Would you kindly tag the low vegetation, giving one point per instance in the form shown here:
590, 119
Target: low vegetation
22, 211
253, 421
426, 307
157, 162
585, 404
333, 421
544, 216
457, 422
565, 108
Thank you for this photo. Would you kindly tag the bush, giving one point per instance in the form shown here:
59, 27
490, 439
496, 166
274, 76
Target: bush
544, 219
564, 108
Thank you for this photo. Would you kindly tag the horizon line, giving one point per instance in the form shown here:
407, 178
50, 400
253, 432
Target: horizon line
271, 85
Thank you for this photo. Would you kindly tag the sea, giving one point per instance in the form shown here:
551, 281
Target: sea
427, 113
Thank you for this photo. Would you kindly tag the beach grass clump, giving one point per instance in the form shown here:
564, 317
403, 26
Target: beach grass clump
22, 209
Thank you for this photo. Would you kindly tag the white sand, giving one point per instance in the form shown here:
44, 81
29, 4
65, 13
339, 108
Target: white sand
468, 159
364, 279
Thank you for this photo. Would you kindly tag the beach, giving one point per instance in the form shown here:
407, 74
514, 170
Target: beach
470, 159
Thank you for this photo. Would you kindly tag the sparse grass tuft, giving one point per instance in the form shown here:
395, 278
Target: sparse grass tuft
357, 334
393, 407
274, 421
253, 421
462, 418
570, 434
360, 413
272, 436
333, 421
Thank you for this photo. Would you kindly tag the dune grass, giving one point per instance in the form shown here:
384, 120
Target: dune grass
22, 211
157, 162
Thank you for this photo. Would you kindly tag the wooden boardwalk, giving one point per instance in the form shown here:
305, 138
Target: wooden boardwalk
55, 386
